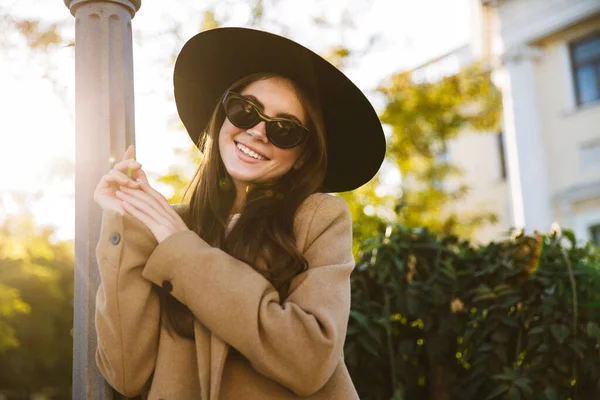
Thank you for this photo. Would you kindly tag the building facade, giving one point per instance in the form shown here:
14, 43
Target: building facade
548, 68
544, 165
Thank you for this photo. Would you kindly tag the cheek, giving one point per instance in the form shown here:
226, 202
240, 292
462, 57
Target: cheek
288, 157
226, 133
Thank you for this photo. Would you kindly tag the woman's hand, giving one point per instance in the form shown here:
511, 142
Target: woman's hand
124, 173
152, 209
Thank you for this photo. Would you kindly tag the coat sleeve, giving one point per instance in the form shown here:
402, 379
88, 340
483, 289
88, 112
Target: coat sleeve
298, 343
127, 309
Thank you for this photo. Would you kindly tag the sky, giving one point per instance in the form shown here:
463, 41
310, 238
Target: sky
37, 132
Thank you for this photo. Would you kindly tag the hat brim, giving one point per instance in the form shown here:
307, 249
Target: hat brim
212, 60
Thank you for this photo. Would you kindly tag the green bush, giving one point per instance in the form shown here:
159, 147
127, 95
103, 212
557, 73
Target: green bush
439, 318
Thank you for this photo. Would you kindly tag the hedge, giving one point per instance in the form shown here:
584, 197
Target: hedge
439, 318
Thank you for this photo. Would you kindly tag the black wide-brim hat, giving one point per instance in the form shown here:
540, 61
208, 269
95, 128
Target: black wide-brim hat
213, 60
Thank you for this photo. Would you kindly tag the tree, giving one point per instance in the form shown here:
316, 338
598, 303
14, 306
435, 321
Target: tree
37, 280
424, 117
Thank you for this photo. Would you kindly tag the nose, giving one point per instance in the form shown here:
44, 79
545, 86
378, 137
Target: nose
259, 132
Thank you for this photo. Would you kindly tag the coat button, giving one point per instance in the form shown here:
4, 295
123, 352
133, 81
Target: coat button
167, 285
115, 238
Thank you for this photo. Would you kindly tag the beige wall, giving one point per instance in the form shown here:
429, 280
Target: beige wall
568, 130
571, 133
586, 214
478, 157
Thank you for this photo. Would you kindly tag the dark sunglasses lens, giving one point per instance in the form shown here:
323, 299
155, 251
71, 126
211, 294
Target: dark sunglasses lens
241, 113
284, 134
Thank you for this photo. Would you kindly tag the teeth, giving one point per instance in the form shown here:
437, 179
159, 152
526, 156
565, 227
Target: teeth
249, 152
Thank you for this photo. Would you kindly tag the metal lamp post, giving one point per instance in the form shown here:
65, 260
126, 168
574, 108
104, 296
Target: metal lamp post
104, 121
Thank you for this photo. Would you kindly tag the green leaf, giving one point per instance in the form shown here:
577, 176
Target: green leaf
502, 287
485, 347
543, 348
502, 388
571, 236
479, 290
550, 393
500, 336
560, 332
399, 264
360, 318
413, 305
506, 376
484, 297
593, 331
366, 344
523, 384
537, 330
511, 322
514, 393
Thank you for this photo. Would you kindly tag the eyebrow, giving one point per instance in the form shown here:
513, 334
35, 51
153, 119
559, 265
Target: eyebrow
262, 106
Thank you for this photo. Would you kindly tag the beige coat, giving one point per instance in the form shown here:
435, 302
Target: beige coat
247, 345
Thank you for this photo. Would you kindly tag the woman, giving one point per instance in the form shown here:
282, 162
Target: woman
243, 292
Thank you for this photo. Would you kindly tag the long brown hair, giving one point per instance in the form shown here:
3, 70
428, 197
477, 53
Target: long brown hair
263, 236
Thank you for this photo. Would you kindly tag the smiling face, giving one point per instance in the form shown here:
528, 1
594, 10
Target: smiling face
247, 154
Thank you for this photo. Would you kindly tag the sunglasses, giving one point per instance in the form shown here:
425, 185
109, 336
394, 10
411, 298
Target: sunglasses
243, 113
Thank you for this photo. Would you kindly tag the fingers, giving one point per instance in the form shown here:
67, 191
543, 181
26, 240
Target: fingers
140, 195
141, 201
120, 178
129, 153
143, 217
141, 176
156, 195
125, 165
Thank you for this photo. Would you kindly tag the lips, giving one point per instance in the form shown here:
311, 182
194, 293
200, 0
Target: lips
253, 149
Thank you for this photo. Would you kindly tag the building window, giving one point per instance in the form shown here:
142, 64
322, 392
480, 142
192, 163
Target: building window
585, 59
595, 234
501, 154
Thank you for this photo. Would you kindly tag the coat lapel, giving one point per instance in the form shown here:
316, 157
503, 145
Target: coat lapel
203, 339
218, 353
211, 353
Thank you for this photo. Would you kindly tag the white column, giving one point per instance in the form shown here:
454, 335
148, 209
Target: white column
104, 122
528, 166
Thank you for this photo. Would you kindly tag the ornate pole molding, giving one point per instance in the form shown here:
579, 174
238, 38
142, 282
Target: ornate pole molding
131, 5
492, 3
104, 124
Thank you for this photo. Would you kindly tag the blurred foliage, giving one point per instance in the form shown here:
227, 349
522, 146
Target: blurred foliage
38, 35
208, 21
439, 318
424, 117
11, 304
177, 178
36, 308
